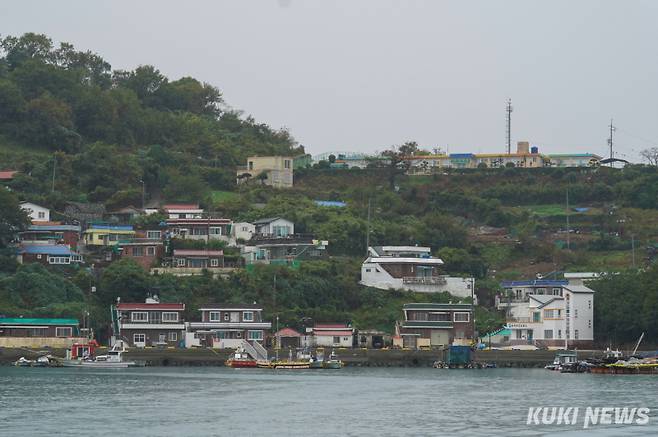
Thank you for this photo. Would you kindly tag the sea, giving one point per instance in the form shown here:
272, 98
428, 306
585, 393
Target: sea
353, 401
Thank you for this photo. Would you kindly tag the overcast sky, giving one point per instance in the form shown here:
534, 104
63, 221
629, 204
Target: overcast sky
361, 75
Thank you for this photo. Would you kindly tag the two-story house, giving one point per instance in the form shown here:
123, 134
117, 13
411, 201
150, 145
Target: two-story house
106, 235
144, 251
434, 325
183, 210
411, 268
276, 171
151, 323
550, 313
227, 325
205, 229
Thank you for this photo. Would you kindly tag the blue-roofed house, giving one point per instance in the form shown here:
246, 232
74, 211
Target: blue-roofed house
48, 254
49, 232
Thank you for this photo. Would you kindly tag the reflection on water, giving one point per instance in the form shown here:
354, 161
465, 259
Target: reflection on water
351, 401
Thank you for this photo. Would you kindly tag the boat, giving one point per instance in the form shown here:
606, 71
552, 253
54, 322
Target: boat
23, 362
301, 362
42, 361
333, 362
113, 360
562, 358
241, 359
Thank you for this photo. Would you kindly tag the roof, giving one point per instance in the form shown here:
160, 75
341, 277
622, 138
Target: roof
331, 326
534, 283
7, 174
22, 321
25, 202
151, 306
85, 208
582, 275
47, 226
335, 333
46, 249
230, 306
437, 306
404, 260
578, 289
110, 227
179, 206
265, 221
331, 203
287, 332
544, 299
426, 324
189, 252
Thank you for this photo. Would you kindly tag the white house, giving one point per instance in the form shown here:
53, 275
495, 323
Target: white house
329, 335
36, 212
411, 268
275, 226
183, 210
552, 313
242, 231
225, 326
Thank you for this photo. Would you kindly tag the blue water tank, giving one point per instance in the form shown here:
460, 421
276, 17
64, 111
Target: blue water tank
534, 150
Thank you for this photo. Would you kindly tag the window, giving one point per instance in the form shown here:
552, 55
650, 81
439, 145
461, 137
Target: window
549, 314
248, 316
219, 335
38, 332
541, 291
368, 270
461, 317
139, 316
39, 256
170, 317
251, 165
113, 237
153, 235
199, 231
548, 334
575, 313
536, 317
138, 251
255, 335
139, 338
556, 291
64, 332
281, 231
215, 231
173, 336
589, 304
42, 214
589, 323
214, 262
575, 334
214, 316
286, 163
150, 251
227, 317
418, 316
336, 340
180, 262
439, 317
59, 260
559, 333
238, 334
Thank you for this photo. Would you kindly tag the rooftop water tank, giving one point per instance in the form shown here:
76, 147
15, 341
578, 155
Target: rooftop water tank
534, 150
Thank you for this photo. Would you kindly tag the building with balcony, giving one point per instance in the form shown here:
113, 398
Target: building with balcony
276, 171
204, 229
226, 326
151, 323
183, 210
549, 313
434, 325
284, 250
411, 268
51, 232
105, 235
39, 332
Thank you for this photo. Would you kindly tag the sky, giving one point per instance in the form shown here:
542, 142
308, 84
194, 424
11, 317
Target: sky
364, 75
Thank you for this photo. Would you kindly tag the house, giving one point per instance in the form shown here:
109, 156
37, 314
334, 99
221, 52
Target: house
427, 325
123, 215
373, 339
107, 235
183, 210
288, 338
227, 325
329, 335
198, 259
289, 250
39, 332
275, 171
242, 231
84, 213
47, 254
144, 251
36, 212
574, 160
550, 313
51, 232
199, 228
7, 175
411, 268
151, 323
274, 226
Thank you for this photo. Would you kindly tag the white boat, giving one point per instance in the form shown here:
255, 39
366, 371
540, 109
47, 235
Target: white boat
113, 360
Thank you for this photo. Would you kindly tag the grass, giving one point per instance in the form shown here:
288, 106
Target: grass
223, 196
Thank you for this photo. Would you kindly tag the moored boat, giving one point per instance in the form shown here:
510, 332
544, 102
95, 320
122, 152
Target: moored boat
333, 362
113, 360
241, 359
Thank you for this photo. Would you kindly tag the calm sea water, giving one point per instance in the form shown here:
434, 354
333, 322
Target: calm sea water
351, 401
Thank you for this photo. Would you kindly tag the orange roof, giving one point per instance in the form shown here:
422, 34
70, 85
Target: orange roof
287, 332
7, 175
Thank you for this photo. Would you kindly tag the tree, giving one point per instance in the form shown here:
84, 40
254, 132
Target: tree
13, 218
398, 161
650, 155
124, 279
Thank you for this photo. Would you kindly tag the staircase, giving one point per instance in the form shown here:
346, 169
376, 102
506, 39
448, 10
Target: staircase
255, 350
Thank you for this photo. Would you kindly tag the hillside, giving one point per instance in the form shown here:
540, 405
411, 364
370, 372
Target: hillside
106, 135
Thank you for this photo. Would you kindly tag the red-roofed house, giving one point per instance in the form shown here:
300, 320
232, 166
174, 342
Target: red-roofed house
7, 175
288, 338
151, 323
330, 335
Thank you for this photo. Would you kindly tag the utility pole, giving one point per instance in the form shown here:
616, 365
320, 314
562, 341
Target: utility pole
368, 230
508, 112
568, 225
54, 167
610, 142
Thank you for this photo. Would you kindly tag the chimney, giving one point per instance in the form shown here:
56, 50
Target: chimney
523, 147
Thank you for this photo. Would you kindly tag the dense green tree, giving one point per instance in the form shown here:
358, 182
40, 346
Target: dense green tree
12, 217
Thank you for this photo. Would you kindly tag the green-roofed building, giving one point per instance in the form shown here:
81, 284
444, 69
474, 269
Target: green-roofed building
38, 332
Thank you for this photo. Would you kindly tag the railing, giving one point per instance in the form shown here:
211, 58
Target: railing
255, 350
424, 280
521, 320
262, 352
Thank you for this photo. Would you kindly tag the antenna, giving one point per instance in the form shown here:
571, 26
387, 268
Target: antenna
508, 111
610, 142
368, 231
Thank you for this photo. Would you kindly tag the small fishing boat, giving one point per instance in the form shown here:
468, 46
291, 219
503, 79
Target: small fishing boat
113, 360
562, 358
333, 362
241, 359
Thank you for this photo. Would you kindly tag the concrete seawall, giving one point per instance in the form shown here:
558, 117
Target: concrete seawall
351, 357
